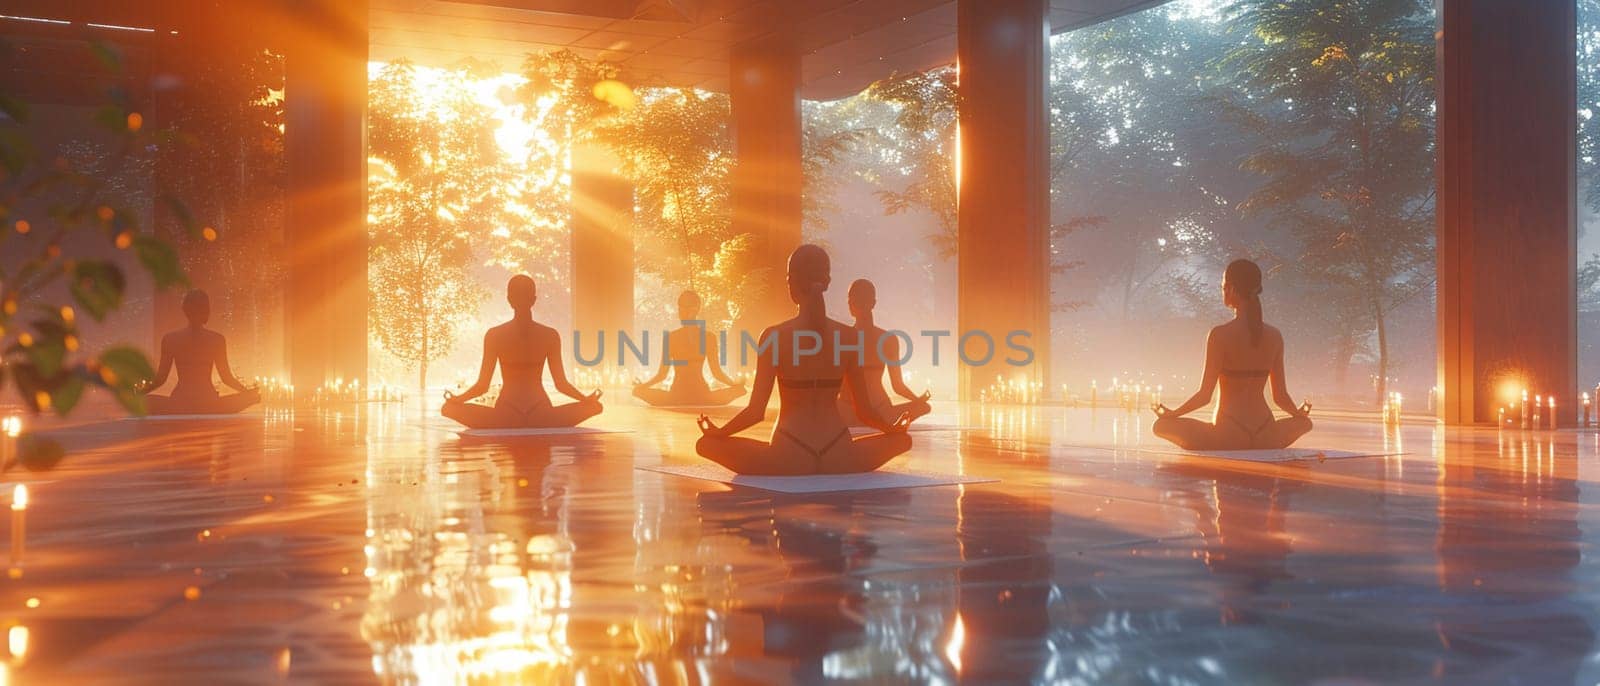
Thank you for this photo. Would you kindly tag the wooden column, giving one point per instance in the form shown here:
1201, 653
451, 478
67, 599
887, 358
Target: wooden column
764, 92
325, 91
1004, 214
1506, 205
602, 247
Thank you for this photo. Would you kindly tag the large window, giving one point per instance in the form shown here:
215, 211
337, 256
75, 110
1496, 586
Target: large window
1299, 135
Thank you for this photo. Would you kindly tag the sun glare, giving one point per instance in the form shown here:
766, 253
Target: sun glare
515, 134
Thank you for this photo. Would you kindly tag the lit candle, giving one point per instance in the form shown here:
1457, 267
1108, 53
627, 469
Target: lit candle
1094, 393
1550, 411
1585, 419
1524, 423
10, 429
19, 522
1538, 404
17, 643
1500, 422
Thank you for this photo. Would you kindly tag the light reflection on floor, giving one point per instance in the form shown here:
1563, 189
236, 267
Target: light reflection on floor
373, 547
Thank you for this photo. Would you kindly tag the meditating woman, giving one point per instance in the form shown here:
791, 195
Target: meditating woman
1243, 355
690, 349
522, 348
802, 356
882, 355
194, 351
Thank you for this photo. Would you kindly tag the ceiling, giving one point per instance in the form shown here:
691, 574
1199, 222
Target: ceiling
845, 44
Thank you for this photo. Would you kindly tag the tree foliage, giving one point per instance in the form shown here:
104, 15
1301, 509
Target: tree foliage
1340, 97
57, 221
676, 148
437, 179
925, 140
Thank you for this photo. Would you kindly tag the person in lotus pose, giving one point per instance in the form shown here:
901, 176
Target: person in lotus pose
690, 349
1241, 357
802, 357
522, 348
882, 352
194, 351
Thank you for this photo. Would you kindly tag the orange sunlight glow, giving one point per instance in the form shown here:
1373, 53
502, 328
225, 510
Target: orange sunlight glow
528, 147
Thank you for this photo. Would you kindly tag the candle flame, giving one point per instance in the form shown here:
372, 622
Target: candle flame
19, 497
17, 641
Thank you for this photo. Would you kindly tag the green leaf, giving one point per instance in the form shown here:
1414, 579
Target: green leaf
47, 357
16, 109
66, 396
97, 286
128, 366
130, 400
16, 151
181, 212
112, 118
162, 260
37, 453
107, 55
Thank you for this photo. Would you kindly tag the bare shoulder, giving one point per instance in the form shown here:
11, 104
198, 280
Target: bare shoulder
784, 326
1273, 335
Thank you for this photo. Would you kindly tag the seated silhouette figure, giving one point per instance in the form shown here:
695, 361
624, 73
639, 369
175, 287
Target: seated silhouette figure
194, 351
810, 437
1241, 357
691, 349
522, 348
862, 298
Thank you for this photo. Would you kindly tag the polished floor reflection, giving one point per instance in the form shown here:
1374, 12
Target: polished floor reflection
372, 546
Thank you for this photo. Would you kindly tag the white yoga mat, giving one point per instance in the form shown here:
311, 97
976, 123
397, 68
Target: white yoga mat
189, 417
818, 483
914, 428
1271, 455
552, 431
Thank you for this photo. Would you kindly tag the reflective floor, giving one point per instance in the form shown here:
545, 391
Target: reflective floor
371, 546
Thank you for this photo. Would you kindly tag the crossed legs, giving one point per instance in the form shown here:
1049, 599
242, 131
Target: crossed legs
233, 403
1194, 434
476, 416
660, 397
750, 456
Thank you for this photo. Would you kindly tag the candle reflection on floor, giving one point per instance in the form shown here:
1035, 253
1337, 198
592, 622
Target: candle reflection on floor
370, 544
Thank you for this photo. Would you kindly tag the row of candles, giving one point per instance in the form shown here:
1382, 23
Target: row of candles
1540, 412
1129, 397
1124, 395
276, 392
1013, 392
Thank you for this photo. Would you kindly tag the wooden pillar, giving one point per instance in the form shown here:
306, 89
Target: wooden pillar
602, 246
1506, 205
1004, 186
325, 96
764, 92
